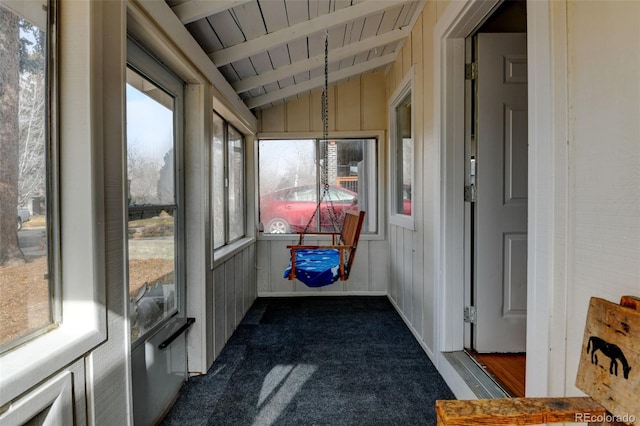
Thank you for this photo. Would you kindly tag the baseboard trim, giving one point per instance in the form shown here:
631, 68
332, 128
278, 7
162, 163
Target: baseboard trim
415, 333
464, 377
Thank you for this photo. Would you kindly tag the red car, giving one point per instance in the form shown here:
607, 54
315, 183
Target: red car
288, 210
406, 200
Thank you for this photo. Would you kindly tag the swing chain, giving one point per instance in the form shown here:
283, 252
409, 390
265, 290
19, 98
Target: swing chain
324, 174
333, 216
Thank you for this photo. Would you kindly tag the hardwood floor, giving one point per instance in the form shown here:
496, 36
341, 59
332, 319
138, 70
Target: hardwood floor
507, 369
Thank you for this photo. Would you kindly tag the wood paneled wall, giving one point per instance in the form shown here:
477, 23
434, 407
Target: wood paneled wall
234, 293
412, 257
369, 274
602, 154
358, 104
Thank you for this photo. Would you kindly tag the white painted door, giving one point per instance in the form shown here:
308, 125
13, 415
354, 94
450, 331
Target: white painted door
155, 235
501, 208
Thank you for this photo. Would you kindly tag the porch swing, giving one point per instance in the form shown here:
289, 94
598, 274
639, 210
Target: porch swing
321, 265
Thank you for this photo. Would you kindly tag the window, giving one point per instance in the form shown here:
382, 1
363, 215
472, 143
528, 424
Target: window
61, 315
235, 187
27, 308
292, 174
152, 203
217, 183
401, 156
228, 187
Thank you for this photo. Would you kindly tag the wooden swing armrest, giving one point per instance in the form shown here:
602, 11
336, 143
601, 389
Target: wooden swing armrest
337, 247
302, 235
318, 233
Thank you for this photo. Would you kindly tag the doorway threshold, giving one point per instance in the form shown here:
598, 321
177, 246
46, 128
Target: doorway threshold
480, 383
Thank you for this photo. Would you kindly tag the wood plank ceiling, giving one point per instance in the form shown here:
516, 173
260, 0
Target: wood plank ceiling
273, 50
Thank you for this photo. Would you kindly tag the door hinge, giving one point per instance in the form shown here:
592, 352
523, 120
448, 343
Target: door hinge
470, 193
471, 71
470, 314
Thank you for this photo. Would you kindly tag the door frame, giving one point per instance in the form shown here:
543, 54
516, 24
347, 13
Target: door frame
544, 300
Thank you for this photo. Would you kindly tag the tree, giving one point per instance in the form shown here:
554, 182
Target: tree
165, 179
143, 174
32, 152
22, 124
32, 114
9, 134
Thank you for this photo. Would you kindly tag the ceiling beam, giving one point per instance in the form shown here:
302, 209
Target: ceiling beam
192, 10
318, 61
154, 24
316, 82
301, 29
33, 11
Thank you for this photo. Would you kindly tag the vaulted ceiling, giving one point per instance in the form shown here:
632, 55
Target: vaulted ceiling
273, 50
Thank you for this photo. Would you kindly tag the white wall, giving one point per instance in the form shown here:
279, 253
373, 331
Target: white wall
234, 290
603, 92
584, 148
413, 270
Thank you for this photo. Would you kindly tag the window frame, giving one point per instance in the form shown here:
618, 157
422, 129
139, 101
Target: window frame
396, 187
228, 241
149, 68
42, 18
381, 150
242, 185
76, 233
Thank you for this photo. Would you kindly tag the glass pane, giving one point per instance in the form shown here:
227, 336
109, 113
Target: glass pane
286, 165
152, 224
218, 182
25, 295
152, 275
289, 185
236, 184
150, 162
347, 178
404, 156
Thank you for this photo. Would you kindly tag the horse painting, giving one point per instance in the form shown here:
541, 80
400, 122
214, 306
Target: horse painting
610, 350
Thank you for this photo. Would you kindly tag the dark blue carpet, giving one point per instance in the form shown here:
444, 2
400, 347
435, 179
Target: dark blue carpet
316, 361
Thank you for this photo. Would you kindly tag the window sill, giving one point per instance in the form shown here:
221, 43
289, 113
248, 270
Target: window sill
222, 254
34, 361
293, 238
403, 221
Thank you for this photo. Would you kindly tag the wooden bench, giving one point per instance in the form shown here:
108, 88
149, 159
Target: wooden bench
609, 372
346, 242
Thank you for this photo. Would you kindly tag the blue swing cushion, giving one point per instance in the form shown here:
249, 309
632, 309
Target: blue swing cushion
316, 267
